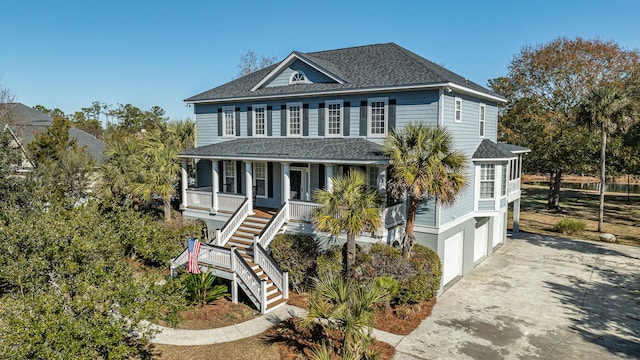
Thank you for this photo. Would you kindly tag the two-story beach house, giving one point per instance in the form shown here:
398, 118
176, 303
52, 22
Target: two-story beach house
266, 141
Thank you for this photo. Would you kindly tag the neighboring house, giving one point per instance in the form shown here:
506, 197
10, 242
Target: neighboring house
25, 123
269, 139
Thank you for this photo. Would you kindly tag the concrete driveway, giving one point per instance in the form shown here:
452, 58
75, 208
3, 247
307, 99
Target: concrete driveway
538, 297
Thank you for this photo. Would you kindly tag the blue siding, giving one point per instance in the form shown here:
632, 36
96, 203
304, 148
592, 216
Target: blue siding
206, 124
203, 173
426, 213
313, 75
275, 200
486, 205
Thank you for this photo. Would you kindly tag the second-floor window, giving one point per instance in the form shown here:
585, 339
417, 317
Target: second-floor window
294, 119
482, 115
504, 180
378, 117
259, 120
228, 121
260, 178
229, 176
458, 110
487, 180
334, 117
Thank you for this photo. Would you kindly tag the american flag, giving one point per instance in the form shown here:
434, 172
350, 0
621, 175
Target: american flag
193, 249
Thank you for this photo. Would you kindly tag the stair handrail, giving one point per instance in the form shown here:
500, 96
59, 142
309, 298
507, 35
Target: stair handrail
223, 235
249, 278
279, 278
203, 257
178, 261
273, 226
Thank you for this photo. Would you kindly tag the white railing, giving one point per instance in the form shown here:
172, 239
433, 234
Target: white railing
301, 210
223, 235
215, 256
249, 279
280, 279
394, 215
229, 202
199, 199
275, 224
514, 185
179, 261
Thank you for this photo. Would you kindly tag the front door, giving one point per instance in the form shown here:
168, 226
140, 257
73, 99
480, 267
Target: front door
296, 184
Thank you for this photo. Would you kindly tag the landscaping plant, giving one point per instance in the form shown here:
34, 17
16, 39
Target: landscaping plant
201, 288
296, 254
569, 226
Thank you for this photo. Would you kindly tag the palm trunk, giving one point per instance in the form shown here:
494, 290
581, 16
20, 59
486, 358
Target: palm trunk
603, 184
351, 253
166, 204
411, 221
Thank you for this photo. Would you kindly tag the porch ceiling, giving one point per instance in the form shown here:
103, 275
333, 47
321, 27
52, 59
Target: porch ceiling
293, 149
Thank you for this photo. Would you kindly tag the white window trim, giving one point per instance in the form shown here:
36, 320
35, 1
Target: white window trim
455, 109
235, 176
289, 105
326, 117
292, 82
482, 121
386, 117
266, 180
480, 181
224, 121
253, 119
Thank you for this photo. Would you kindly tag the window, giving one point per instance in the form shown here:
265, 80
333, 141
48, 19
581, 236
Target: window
334, 117
229, 176
294, 119
482, 113
259, 120
260, 178
377, 118
458, 110
504, 180
298, 77
373, 172
487, 179
228, 121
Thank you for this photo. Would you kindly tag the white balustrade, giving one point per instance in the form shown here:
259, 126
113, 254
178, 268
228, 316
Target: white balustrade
233, 224
230, 202
514, 185
270, 268
272, 228
301, 210
248, 278
199, 199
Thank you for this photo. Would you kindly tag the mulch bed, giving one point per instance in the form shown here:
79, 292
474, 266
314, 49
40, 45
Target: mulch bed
219, 313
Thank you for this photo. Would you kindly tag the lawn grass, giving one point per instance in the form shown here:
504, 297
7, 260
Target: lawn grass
621, 217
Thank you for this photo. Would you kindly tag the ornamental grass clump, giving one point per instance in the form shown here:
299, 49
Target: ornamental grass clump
569, 226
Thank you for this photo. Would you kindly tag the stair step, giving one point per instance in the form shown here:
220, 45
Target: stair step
249, 230
251, 225
240, 235
276, 304
273, 296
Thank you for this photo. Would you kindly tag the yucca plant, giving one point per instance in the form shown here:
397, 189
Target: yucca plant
201, 288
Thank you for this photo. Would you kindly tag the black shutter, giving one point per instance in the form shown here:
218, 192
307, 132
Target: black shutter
249, 121
238, 132
305, 119
219, 121
283, 120
270, 180
392, 115
346, 116
322, 173
239, 178
363, 118
220, 176
321, 119
269, 121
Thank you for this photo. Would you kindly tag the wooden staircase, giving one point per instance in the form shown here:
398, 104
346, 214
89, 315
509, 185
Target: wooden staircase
242, 240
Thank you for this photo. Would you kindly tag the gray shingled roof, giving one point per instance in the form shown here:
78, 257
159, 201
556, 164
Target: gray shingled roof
488, 150
307, 149
514, 148
27, 122
363, 67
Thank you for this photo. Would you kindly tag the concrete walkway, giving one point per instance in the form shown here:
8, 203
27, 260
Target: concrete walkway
171, 336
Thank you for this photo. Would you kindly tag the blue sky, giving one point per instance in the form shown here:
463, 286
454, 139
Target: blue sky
66, 54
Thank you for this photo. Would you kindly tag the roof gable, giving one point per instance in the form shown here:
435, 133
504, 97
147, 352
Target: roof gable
311, 74
297, 61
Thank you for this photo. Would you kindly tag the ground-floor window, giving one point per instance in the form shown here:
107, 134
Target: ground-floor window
229, 176
260, 178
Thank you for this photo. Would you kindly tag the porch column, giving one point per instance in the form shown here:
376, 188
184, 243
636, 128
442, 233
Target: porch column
183, 184
248, 184
516, 217
215, 185
329, 170
286, 182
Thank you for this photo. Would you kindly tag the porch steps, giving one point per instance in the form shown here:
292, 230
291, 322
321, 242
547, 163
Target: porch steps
242, 240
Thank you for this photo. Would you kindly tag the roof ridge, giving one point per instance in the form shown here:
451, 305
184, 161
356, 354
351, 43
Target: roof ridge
348, 48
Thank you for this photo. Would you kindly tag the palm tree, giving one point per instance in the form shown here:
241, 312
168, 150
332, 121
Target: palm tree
424, 165
349, 207
117, 173
608, 108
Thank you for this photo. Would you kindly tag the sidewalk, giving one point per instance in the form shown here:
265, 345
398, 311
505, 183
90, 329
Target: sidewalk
243, 330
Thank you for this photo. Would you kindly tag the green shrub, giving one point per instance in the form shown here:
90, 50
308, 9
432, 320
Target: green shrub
201, 288
569, 226
425, 284
296, 254
329, 262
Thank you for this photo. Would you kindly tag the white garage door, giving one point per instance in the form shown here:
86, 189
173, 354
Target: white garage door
452, 264
498, 231
480, 242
